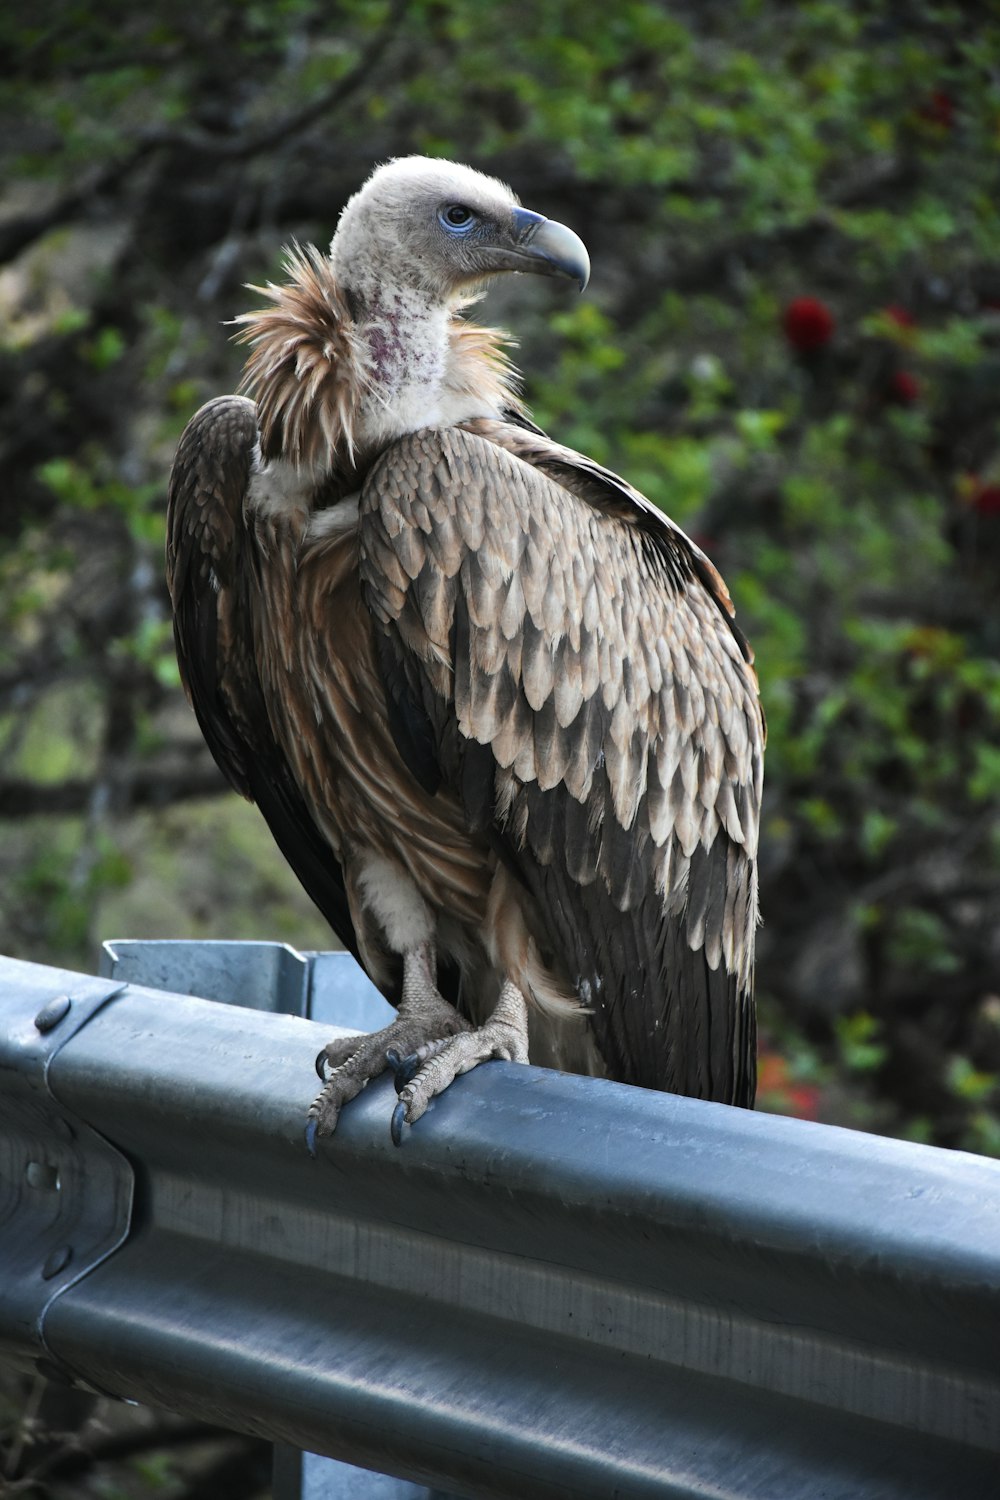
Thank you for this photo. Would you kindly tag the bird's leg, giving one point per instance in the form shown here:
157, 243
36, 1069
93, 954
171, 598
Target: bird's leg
425, 1019
432, 1067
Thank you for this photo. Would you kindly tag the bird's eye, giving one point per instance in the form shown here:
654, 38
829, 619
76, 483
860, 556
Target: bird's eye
457, 218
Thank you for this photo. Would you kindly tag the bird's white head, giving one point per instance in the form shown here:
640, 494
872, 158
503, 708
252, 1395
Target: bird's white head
364, 346
443, 230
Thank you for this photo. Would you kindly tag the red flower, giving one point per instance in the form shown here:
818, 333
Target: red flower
904, 388
808, 324
986, 499
979, 495
939, 109
901, 316
777, 1092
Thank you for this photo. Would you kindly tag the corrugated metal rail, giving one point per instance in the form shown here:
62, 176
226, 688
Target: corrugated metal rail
557, 1287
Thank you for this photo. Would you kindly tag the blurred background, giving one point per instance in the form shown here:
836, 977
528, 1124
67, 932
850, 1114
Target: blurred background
791, 342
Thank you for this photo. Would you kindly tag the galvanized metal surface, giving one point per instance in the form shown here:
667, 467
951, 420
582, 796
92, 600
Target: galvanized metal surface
310, 1476
328, 987
341, 993
557, 1287
260, 976
65, 1193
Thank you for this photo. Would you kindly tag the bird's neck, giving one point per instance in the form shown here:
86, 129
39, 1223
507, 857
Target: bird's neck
408, 343
336, 375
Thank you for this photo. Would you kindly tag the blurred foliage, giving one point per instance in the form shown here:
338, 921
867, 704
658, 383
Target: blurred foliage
64, 1443
791, 343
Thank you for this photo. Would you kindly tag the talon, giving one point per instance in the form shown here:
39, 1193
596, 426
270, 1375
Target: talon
398, 1120
312, 1127
404, 1068
320, 1066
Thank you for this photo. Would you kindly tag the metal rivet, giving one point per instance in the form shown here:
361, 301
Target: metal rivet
43, 1175
51, 1014
56, 1261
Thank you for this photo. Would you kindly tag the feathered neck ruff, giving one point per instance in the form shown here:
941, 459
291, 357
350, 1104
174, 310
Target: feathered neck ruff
312, 377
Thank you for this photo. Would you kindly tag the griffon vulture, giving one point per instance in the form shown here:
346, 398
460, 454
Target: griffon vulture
490, 700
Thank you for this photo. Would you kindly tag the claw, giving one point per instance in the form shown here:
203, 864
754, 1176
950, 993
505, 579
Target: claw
398, 1121
312, 1126
404, 1068
320, 1066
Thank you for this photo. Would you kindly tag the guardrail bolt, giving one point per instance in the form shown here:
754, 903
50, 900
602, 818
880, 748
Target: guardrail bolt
56, 1261
51, 1014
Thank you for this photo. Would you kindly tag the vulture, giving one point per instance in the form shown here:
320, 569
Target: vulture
491, 701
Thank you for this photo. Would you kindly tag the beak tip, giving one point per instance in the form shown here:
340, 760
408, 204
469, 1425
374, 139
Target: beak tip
557, 249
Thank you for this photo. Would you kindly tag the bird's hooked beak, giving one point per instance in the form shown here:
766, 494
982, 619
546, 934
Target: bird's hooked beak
544, 247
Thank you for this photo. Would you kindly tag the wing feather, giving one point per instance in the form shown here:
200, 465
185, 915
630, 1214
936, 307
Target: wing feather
607, 722
210, 575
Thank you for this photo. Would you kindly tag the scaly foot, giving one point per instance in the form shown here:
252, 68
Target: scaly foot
430, 1068
353, 1061
349, 1063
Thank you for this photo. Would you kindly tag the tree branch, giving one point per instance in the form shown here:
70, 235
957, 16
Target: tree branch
17, 234
152, 786
243, 147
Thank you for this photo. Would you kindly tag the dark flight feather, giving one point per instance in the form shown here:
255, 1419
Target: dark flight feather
207, 567
642, 927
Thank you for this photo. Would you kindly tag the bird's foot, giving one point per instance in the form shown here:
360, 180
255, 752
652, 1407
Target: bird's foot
347, 1064
431, 1068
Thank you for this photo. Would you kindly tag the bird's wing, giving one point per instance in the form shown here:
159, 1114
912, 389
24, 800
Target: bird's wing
572, 659
211, 571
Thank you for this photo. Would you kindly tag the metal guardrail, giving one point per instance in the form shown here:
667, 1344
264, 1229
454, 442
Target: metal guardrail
557, 1287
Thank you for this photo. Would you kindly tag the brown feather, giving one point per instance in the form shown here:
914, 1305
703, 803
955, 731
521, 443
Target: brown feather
629, 697
307, 367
